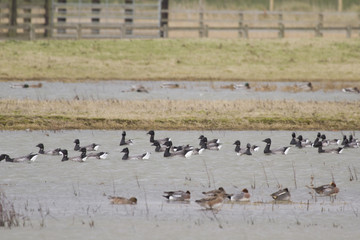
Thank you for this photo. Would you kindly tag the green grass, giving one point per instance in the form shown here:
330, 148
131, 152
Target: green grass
181, 59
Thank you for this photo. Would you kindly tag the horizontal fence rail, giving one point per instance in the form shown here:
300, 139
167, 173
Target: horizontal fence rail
60, 19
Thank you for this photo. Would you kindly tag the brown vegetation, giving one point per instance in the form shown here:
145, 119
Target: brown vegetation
179, 114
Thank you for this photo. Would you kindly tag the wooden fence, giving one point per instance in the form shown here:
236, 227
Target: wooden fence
58, 19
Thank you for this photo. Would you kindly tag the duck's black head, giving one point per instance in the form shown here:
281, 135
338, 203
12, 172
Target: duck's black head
323, 136
300, 137
201, 137
83, 149
123, 133
293, 135
248, 145
151, 132
77, 141
267, 140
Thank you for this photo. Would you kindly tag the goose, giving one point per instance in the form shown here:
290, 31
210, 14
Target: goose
177, 195
203, 138
244, 196
326, 190
125, 142
158, 147
100, 155
303, 143
212, 202
281, 195
293, 139
50, 152
317, 139
28, 158
282, 150
91, 147
332, 150
122, 200
152, 138
239, 151
126, 156
210, 146
348, 144
182, 153
81, 158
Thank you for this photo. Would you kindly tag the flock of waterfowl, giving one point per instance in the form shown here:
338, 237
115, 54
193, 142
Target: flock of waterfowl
213, 199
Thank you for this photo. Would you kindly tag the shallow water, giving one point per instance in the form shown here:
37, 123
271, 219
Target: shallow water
121, 90
63, 200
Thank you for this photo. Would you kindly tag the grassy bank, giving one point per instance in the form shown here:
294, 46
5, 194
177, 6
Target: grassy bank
185, 59
179, 114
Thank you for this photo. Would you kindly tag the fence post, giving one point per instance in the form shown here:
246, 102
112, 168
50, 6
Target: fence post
63, 18
164, 17
31, 31
13, 16
129, 16
27, 19
241, 19
78, 31
201, 23
271, 5
281, 26
348, 31
318, 32
246, 31
95, 20
340, 5
48, 18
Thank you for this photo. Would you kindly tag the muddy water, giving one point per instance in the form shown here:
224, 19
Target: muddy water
62, 200
187, 90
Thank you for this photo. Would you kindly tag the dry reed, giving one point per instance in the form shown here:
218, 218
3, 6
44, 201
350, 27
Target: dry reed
179, 114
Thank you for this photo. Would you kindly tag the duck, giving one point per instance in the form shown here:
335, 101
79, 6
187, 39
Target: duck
254, 148
152, 138
293, 139
212, 202
282, 150
28, 158
214, 192
241, 86
126, 156
239, 151
122, 200
215, 140
281, 195
100, 155
351, 89
125, 142
182, 153
332, 150
327, 189
243, 196
177, 195
50, 152
81, 158
91, 147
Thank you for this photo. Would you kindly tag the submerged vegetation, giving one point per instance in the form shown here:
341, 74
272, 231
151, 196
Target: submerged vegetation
178, 114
